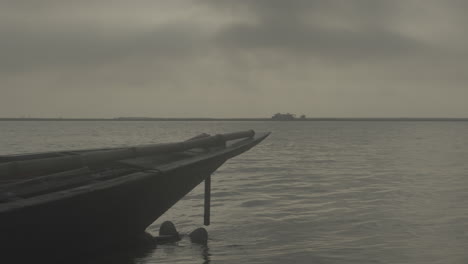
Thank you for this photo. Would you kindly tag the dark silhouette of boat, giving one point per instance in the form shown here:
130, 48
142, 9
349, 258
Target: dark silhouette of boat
65, 203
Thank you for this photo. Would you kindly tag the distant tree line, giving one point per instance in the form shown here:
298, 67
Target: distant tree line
287, 117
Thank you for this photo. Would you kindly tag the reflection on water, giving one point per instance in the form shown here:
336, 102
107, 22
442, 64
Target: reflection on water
130, 254
137, 252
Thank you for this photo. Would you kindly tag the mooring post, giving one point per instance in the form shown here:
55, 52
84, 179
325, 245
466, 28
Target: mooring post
207, 200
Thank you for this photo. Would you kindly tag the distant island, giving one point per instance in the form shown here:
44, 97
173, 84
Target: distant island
287, 117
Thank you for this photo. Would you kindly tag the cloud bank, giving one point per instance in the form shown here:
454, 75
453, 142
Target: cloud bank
243, 58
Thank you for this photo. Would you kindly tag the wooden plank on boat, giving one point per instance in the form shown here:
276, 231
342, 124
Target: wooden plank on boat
239, 135
58, 181
44, 184
17, 170
150, 162
100, 157
37, 167
202, 135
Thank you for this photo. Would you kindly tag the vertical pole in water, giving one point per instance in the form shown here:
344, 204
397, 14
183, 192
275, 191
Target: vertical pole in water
207, 200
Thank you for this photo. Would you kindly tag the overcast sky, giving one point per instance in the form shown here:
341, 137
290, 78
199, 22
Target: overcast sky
233, 58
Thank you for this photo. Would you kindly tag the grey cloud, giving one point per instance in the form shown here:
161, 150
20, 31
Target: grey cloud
318, 42
23, 50
317, 57
370, 12
267, 25
282, 25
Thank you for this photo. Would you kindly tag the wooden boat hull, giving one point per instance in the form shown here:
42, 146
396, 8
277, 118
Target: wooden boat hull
94, 216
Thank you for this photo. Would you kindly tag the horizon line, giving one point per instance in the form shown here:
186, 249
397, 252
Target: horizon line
232, 119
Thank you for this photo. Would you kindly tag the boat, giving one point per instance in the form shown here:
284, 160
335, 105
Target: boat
69, 202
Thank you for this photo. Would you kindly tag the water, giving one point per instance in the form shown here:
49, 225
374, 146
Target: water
313, 192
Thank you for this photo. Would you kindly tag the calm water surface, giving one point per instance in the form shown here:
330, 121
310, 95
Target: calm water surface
313, 192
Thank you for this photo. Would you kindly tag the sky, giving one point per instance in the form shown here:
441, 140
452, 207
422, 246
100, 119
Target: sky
233, 58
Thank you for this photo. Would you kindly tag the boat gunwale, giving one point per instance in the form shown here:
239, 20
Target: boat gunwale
136, 176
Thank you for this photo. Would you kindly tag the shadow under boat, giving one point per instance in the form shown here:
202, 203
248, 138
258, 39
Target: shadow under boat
61, 204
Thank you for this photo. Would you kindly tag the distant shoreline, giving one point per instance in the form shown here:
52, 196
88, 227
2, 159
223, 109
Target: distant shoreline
232, 119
